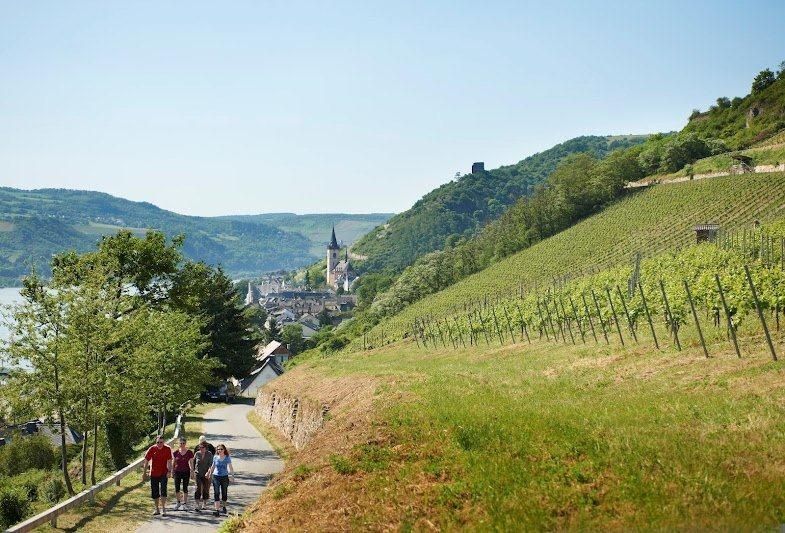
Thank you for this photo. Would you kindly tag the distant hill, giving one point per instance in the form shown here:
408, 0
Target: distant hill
34, 224
316, 227
459, 208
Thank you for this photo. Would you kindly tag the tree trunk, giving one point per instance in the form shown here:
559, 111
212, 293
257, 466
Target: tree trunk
95, 452
64, 454
84, 458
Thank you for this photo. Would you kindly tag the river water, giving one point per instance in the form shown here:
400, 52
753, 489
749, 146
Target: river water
8, 296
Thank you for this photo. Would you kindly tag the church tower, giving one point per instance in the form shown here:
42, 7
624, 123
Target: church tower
332, 258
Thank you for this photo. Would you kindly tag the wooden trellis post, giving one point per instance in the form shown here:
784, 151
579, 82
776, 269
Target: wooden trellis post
695, 317
760, 312
731, 327
648, 316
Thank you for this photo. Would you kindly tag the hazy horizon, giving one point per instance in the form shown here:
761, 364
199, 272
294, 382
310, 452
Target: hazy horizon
350, 108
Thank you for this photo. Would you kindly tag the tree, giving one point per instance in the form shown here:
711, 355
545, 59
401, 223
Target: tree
201, 290
38, 341
292, 336
762, 80
272, 332
168, 368
307, 280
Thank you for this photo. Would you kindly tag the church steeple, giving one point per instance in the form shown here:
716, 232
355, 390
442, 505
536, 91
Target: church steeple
333, 242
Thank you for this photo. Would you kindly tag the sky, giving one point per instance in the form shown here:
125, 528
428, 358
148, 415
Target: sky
214, 108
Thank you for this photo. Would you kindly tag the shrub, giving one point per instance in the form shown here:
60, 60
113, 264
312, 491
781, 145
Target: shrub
342, 465
14, 506
302, 472
29, 482
52, 490
27, 453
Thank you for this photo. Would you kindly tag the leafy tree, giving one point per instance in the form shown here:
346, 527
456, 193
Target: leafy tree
38, 340
203, 291
763, 80
723, 102
272, 332
292, 336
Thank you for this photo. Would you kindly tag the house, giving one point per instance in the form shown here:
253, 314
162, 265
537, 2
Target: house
278, 352
267, 372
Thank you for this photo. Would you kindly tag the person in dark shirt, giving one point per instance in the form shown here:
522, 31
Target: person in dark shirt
183, 467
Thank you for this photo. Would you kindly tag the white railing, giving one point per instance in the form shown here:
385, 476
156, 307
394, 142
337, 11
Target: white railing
87, 495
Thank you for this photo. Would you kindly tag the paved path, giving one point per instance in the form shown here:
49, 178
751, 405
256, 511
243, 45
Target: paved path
254, 464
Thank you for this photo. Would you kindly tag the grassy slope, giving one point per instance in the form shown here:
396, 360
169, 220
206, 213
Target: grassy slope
659, 218
541, 437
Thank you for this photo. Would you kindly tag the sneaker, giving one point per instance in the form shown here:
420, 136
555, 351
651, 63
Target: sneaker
198, 509
156, 512
163, 511
177, 507
215, 513
223, 509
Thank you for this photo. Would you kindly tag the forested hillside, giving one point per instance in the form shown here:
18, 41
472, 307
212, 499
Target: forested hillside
36, 224
458, 208
581, 185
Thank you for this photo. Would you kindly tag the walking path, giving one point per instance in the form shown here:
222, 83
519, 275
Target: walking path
254, 464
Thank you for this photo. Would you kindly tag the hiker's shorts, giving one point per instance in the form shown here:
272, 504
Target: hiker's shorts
158, 486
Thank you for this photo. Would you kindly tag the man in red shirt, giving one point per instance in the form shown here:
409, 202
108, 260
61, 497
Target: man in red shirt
159, 457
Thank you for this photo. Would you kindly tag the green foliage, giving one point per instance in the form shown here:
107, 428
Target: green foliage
52, 490
27, 453
368, 286
14, 506
763, 80
207, 293
343, 465
292, 336
30, 483
302, 472
460, 207
747, 120
658, 219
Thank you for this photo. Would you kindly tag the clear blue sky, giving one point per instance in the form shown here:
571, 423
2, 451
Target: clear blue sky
246, 107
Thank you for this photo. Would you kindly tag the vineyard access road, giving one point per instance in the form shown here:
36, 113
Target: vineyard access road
254, 464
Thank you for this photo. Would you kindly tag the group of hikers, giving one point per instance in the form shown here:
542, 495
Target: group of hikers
205, 464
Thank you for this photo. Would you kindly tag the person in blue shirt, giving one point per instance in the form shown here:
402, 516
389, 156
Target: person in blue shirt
219, 473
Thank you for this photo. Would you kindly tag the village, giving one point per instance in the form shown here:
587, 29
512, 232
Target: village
291, 305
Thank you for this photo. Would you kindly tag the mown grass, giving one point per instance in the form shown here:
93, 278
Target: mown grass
579, 437
126, 506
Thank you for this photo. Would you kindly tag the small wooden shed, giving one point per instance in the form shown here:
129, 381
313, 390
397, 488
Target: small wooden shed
706, 232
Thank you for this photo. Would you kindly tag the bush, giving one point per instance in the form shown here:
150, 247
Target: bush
14, 506
27, 453
30, 483
52, 490
342, 465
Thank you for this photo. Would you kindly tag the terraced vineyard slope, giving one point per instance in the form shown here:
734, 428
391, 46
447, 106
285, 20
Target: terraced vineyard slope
653, 220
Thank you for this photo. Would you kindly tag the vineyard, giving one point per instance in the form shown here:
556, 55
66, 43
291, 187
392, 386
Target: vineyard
707, 294
645, 224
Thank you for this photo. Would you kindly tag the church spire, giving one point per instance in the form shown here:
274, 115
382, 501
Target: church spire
333, 242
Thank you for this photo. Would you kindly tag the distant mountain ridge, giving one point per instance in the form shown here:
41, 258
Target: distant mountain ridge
34, 224
460, 207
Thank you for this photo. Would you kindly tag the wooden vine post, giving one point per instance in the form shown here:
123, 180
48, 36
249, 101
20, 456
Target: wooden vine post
566, 321
523, 323
577, 321
648, 316
669, 316
496, 325
760, 312
728, 316
615, 317
695, 317
509, 325
599, 315
588, 317
627, 313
